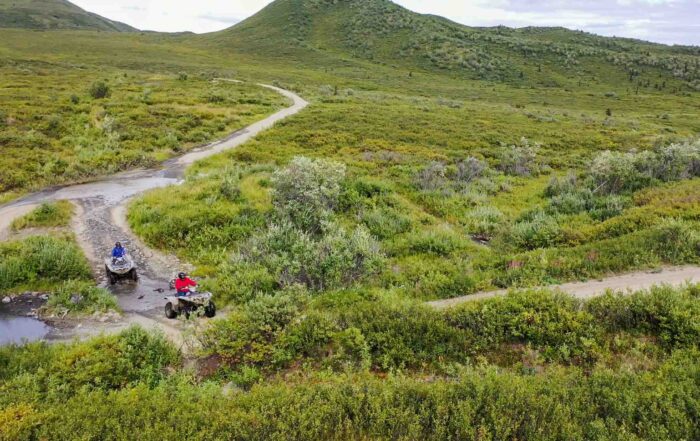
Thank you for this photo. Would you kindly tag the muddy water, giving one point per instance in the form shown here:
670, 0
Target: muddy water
18, 330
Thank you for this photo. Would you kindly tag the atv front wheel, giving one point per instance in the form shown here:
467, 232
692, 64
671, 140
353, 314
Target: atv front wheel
169, 311
110, 276
134, 275
210, 310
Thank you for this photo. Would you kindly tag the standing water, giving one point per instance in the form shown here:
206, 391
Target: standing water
21, 329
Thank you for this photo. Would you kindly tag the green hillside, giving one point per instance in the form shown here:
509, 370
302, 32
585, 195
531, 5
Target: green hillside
54, 14
385, 33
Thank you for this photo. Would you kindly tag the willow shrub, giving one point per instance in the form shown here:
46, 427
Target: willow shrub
483, 404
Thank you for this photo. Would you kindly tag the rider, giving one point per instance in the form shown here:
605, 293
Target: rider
183, 284
118, 251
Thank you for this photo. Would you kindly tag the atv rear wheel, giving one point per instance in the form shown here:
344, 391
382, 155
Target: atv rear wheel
170, 311
210, 310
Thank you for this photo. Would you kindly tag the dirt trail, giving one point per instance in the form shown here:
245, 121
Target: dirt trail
626, 282
100, 220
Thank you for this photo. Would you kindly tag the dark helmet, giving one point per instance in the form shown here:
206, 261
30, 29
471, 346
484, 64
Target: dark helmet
118, 244
181, 275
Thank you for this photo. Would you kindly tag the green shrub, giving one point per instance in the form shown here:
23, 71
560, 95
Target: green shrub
554, 323
539, 230
41, 260
442, 242
386, 223
103, 363
484, 221
671, 314
82, 297
676, 241
306, 192
405, 336
335, 258
614, 172
99, 89
470, 169
432, 177
519, 159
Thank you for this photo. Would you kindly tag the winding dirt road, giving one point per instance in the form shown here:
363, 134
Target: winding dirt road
100, 220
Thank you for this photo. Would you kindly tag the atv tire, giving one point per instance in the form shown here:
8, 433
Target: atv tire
110, 276
134, 275
210, 310
169, 311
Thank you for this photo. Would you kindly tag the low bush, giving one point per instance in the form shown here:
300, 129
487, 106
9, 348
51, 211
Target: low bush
82, 297
484, 221
614, 172
385, 223
99, 89
482, 403
335, 258
306, 191
554, 323
39, 261
520, 159
538, 230
48, 214
41, 371
671, 314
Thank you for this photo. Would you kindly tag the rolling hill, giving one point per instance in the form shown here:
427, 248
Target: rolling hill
385, 33
54, 14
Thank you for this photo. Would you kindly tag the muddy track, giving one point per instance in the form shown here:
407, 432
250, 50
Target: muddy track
100, 221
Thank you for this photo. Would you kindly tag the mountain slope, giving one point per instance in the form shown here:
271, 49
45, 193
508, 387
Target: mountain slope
54, 14
383, 32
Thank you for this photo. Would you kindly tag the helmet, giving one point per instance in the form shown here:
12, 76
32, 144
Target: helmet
181, 275
118, 244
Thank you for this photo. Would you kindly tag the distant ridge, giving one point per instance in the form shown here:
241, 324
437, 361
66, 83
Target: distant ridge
383, 32
54, 14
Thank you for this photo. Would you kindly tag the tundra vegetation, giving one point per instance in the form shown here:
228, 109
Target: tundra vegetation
435, 161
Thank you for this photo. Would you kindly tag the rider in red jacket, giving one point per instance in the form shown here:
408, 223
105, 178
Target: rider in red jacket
183, 284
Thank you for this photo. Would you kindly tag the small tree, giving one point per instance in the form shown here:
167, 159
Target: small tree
99, 89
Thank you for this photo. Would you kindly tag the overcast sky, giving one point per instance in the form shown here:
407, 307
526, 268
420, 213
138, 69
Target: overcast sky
664, 21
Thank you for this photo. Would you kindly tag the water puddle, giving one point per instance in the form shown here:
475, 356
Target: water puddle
19, 330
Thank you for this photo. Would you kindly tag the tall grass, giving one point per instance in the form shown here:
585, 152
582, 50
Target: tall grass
39, 261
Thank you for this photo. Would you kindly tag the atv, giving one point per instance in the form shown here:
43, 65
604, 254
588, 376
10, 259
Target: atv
190, 303
120, 268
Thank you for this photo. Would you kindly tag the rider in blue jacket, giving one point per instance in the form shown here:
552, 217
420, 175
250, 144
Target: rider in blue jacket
118, 251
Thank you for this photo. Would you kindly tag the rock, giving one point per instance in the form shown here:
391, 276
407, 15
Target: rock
44, 297
76, 298
6, 300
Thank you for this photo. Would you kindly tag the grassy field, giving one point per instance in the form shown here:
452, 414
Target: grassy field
63, 123
435, 161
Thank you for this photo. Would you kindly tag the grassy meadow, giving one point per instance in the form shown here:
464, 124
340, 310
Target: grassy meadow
68, 122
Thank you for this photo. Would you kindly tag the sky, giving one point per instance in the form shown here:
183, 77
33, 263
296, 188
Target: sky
663, 21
